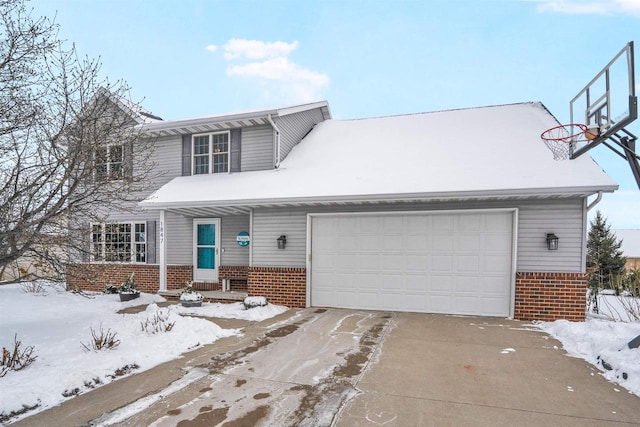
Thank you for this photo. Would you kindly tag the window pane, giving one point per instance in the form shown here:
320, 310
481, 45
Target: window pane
206, 234
220, 163
220, 143
206, 258
201, 165
201, 145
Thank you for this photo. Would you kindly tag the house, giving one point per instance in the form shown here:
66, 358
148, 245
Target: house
630, 247
441, 212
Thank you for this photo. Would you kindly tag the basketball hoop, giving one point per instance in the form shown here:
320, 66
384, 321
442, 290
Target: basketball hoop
561, 140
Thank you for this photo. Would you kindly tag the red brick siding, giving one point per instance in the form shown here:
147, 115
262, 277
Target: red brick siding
281, 285
550, 296
95, 277
242, 272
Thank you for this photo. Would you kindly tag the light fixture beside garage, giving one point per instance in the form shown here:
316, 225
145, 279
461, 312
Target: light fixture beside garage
282, 242
552, 242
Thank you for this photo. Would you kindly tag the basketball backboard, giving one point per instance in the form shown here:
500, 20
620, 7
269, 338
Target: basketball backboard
608, 103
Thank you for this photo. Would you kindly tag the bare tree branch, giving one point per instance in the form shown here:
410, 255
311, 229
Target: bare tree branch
56, 116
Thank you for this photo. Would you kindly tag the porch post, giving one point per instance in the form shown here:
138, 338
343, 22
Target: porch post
163, 252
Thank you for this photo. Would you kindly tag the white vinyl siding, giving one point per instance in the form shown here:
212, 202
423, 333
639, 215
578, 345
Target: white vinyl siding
257, 148
268, 225
294, 127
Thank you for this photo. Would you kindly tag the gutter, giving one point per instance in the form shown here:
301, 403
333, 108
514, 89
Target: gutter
277, 165
595, 202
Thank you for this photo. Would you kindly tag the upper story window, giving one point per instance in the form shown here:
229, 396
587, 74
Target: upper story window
210, 153
109, 162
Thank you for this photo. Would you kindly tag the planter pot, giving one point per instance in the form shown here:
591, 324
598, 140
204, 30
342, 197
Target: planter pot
129, 297
191, 303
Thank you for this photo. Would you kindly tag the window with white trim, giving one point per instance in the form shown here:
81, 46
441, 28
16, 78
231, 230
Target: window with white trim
210, 153
119, 242
109, 162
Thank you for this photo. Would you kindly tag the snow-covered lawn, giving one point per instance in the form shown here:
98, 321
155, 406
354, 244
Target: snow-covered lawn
603, 337
59, 323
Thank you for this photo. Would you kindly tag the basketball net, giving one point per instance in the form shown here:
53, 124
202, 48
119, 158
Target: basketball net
561, 140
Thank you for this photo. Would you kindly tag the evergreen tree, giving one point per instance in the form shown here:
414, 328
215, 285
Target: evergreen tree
604, 257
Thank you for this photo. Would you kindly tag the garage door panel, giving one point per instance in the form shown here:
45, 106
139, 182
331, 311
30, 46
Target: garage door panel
433, 262
442, 263
467, 284
440, 283
392, 262
495, 263
415, 263
416, 283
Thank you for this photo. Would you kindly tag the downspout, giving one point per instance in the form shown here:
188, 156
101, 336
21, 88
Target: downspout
595, 202
277, 165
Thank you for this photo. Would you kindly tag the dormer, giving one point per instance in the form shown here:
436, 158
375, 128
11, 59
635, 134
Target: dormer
240, 142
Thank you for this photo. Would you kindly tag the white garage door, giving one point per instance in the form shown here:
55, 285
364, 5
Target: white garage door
455, 263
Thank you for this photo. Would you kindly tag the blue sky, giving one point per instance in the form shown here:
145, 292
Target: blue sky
192, 58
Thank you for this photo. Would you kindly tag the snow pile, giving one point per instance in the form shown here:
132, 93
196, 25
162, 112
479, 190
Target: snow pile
59, 323
231, 311
597, 340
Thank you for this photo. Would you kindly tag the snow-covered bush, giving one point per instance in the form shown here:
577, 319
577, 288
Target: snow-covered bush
190, 294
129, 286
159, 322
251, 302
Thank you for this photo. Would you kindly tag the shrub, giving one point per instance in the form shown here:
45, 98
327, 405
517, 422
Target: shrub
129, 286
111, 289
16, 359
159, 322
105, 340
35, 287
190, 294
252, 302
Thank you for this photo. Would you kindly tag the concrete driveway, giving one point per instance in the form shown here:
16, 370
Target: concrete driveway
321, 367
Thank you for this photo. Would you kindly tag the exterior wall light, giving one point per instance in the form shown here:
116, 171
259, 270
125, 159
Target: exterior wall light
552, 242
282, 242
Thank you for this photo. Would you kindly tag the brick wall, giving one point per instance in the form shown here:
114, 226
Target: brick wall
550, 296
95, 277
281, 285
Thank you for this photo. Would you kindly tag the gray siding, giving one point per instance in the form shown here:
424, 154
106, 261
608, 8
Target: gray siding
179, 235
536, 218
233, 254
294, 127
268, 225
257, 148
564, 218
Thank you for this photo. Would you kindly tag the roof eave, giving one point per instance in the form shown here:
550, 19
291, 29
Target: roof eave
393, 198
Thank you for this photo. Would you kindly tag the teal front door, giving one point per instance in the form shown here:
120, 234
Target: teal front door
206, 253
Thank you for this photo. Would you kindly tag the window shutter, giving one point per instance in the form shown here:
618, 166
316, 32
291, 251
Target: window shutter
186, 155
151, 242
85, 249
128, 160
236, 142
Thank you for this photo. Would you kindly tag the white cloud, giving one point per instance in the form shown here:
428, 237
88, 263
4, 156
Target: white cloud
256, 49
598, 7
268, 64
211, 48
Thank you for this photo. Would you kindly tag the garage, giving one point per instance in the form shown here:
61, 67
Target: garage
453, 262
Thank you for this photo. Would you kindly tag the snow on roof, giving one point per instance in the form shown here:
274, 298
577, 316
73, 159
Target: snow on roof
139, 114
630, 242
479, 152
